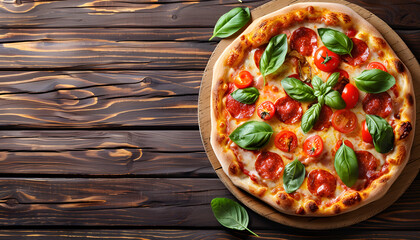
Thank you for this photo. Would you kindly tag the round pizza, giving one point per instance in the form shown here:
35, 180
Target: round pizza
312, 111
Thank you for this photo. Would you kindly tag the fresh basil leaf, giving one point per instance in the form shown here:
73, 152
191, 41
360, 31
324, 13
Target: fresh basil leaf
374, 81
293, 176
346, 165
333, 79
252, 135
310, 117
336, 41
231, 22
321, 99
382, 133
274, 55
297, 90
334, 100
246, 95
317, 85
230, 214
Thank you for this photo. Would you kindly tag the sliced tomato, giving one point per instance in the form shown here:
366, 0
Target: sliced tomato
344, 121
350, 95
340, 142
257, 56
376, 65
286, 141
326, 60
244, 79
266, 110
313, 146
366, 137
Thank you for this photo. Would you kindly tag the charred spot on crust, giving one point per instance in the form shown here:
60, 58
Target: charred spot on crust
352, 199
310, 9
262, 24
312, 206
405, 129
300, 211
284, 201
346, 18
399, 66
233, 168
410, 99
337, 209
381, 42
384, 179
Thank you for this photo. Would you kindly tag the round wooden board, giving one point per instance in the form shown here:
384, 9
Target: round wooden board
347, 219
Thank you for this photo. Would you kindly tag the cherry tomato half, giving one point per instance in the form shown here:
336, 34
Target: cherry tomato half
340, 142
313, 146
366, 137
350, 95
344, 121
326, 60
376, 65
286, 141
244, 79
266, 110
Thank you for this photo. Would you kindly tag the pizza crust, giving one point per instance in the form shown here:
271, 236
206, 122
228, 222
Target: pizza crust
351, 200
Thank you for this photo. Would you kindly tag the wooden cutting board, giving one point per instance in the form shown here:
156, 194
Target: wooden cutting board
347, 219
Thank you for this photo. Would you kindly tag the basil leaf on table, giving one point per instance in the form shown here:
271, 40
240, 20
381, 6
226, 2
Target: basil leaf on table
231, 22
274, 55
346, 165
246, 95
382, 133
252, 135
374, 81
310, 117
297, 90
293, 176
336, 41
230, 214
333, 99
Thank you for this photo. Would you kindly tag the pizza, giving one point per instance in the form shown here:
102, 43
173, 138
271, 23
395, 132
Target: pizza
312, 111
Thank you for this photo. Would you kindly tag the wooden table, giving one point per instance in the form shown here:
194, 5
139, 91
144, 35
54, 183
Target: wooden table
99, 133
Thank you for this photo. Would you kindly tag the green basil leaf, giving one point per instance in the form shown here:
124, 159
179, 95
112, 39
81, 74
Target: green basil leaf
336, 41
293, 176
382, 133
346, 165
274, 55
297, 90
310, 117
321, 99
317, 85
230, 214
231, 22
334, 100
246, 95
333, 79
252, 135
374, 81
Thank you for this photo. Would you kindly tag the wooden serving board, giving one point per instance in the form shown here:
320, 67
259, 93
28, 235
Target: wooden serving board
397, 189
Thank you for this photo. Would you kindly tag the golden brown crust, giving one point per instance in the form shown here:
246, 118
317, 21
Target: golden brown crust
259, 33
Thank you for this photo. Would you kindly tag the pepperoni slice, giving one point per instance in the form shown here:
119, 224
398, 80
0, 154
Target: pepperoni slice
304, 40
257, 55
269, 165
377, 104
359, 54
288, 110
324, 120
368, 164
321, 183
237, 109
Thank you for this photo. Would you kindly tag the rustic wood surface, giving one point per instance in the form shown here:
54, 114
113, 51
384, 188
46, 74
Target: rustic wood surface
98, 123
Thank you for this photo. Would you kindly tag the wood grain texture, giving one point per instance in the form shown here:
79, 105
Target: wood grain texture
176, 234
148, 202
135, 153
149, 13
98, 99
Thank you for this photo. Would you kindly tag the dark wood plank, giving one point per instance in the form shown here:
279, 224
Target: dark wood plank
99, 99
149, 13
149, 202
177, 234
136, 153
